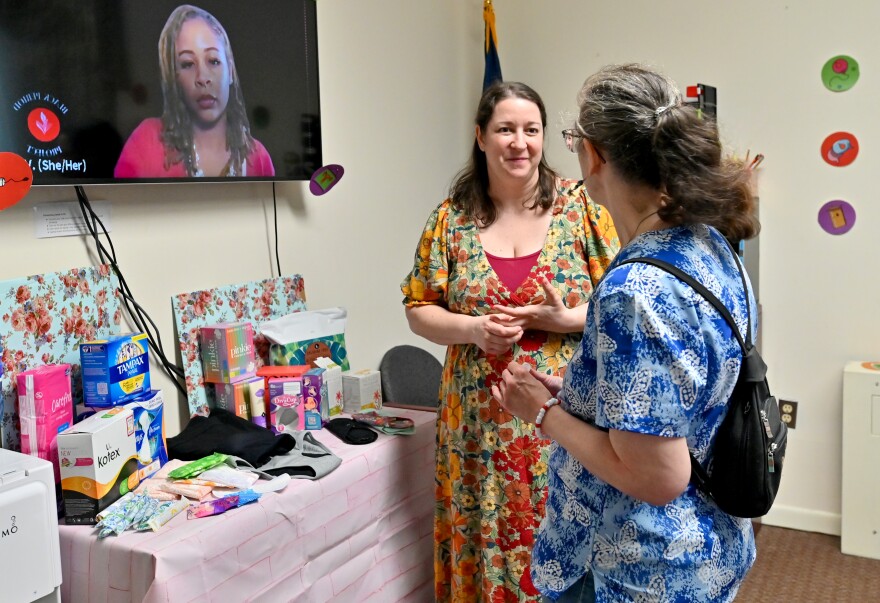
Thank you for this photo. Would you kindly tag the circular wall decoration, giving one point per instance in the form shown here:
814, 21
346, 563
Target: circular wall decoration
840, 73
840, 149
837, 217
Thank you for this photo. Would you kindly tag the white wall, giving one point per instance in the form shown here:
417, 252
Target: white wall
399, 84
818, 292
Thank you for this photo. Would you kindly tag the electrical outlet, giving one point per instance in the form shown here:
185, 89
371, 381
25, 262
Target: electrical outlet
788, 412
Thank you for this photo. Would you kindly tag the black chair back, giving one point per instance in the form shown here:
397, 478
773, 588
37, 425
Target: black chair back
411, 376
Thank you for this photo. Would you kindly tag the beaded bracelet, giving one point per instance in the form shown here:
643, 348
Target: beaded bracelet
540, 418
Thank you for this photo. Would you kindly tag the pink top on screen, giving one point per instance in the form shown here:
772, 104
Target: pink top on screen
143, 156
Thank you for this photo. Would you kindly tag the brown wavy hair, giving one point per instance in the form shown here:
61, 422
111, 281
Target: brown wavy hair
177, 126
470, 188
637, 118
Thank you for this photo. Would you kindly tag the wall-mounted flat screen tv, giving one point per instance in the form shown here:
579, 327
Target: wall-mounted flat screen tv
131, 91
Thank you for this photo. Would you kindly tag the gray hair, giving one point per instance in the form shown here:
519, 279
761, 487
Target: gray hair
637, 118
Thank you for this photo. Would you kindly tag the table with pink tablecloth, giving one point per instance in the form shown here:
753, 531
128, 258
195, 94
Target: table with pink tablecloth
362, 533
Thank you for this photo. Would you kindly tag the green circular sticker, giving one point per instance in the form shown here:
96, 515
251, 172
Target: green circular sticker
840, 73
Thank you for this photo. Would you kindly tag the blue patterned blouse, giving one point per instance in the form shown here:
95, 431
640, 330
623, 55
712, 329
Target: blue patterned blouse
656, 358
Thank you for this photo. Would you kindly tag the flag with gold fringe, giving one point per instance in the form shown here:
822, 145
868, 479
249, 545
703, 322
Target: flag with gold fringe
492, 72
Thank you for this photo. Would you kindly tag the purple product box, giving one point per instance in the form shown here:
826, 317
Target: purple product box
315, 398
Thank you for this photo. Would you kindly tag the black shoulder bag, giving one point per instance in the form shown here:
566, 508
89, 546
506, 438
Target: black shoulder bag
746, 461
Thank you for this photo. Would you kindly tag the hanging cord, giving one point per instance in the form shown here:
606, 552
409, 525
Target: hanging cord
275, 212
138, 315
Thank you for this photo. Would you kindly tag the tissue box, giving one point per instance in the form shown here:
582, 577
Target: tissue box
301, 337
45, 407
114, 370
98, 458
361, 390
306, 352
149, 433
333, 381
227, 352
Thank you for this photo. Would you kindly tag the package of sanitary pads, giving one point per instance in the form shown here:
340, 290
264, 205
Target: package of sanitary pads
45, 406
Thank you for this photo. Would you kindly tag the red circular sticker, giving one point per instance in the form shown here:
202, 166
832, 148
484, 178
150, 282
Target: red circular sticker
16, 178
43, 124
840, 149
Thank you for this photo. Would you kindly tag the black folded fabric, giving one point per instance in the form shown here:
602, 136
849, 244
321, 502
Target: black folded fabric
227, 433
351, 431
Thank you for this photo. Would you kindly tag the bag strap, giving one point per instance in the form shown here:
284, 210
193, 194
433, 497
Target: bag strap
699, 476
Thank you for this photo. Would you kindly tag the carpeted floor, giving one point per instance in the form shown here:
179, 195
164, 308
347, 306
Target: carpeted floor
805, 567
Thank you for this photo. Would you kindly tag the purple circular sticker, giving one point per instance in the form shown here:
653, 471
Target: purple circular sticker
837, 217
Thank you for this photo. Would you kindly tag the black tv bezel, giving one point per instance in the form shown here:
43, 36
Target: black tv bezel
40, 181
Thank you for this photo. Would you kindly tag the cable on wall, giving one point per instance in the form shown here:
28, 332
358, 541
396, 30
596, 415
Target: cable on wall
134, 309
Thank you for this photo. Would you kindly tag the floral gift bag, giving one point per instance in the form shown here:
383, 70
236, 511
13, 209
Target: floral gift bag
43, 319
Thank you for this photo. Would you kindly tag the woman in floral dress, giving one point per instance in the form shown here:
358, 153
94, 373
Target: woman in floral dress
512, 235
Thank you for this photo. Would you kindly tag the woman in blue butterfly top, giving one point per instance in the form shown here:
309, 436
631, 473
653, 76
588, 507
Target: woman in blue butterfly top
656, 365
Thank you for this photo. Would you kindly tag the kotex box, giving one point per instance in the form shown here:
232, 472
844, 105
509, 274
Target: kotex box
149, 433
333, 381
285, 402
361, 390
45, 408
99, 463
115, 370
235, 397
227, 352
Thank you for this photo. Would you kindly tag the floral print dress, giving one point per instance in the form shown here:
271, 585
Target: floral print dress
491, 468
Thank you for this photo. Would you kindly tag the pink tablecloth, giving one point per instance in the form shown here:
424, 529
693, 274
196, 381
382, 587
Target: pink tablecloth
361, 533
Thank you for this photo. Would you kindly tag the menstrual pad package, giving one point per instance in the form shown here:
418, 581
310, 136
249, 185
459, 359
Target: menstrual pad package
45, 405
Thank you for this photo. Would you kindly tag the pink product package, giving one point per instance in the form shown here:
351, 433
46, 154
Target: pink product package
285, 404
45, 406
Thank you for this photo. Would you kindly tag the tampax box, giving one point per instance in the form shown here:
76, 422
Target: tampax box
236, 397
362, 390
227, 351
99, 463
149, 433
114, 370
333, 381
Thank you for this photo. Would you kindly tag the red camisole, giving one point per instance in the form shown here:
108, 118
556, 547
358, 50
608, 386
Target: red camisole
513, 271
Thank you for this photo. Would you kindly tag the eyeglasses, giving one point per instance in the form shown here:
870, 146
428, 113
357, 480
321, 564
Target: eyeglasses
572, 139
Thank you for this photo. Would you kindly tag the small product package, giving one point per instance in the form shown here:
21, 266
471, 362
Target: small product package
362, 390
285, 404
45, 407
257, 400
315, 398
333, 381
227, 351
149, 431
235, 397
99, 463
115, 370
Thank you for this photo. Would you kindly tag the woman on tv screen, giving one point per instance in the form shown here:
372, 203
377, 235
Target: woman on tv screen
204, 129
